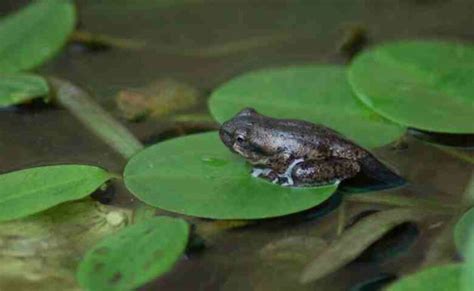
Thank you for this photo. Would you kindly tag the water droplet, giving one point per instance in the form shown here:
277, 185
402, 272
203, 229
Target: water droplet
215, 162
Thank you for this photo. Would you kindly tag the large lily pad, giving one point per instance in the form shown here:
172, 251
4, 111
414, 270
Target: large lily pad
34, 34
316, 93
197, 175
18, 88
134, 255
440, 278
32, 190
421, 84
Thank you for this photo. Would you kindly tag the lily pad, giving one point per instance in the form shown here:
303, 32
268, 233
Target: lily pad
467, 278
34, 34
32, 190
421, 84
440, 278
135, 255
197, 175
463, 228
315, 93
19, 88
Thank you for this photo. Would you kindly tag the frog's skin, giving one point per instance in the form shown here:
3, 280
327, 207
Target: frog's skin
293, 152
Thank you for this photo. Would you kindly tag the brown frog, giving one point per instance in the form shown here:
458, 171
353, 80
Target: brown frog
295, 152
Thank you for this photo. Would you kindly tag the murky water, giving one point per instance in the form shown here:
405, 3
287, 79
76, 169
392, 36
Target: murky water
205, 43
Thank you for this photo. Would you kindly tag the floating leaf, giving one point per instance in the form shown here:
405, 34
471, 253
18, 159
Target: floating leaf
32, 190
19, 88
197, 175
319, 94
422, 84
357, 239
34, 34
440, 278
462, 230
134, 255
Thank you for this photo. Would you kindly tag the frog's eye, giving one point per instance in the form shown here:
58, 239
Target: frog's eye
240, 138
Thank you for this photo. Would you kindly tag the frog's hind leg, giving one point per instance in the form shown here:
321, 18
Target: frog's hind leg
314, 172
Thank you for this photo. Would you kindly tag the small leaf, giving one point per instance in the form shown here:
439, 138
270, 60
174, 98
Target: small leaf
34, 34
32, 190
440, 278
19, 88
462, 230
421, 84
197, 175
316, 93
357, 239
135, 255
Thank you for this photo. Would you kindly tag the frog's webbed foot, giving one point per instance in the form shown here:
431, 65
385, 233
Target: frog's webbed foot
265, 173
272, 176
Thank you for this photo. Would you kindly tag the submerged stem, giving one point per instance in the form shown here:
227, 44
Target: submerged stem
456, 153
84, 108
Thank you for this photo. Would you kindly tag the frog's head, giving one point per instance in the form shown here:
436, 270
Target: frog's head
240, 135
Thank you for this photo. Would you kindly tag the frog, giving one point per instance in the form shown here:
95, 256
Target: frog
293, 152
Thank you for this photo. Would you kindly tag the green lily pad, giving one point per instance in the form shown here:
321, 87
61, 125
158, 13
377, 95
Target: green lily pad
440, 278
135, 255
19, 88
463, 228
421, 84
316, 93
197, 175
467, 278
34, 34
32, 190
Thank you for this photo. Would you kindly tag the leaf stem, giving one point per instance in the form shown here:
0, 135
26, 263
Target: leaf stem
84, 108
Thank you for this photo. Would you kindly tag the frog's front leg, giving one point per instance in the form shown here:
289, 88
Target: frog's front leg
265, 173
314, 172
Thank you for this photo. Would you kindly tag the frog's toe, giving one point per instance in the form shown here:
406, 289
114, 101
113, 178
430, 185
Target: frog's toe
256, 172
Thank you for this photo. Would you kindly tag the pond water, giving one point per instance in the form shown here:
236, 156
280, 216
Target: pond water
205, 43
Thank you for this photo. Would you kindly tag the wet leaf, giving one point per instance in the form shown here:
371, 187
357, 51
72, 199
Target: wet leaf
440, 278
462, 230
32, 190
41, 251
19, 88
134, 255
317, 93
34, 34
197, 175
421, 84
357, 239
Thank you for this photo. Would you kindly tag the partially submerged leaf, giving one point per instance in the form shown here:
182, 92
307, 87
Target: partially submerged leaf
440, 278
315, 93
356, 239
34, 34
421, 84
41, 251
19, 88
197, 175
462, 230
135, 255
32, 190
